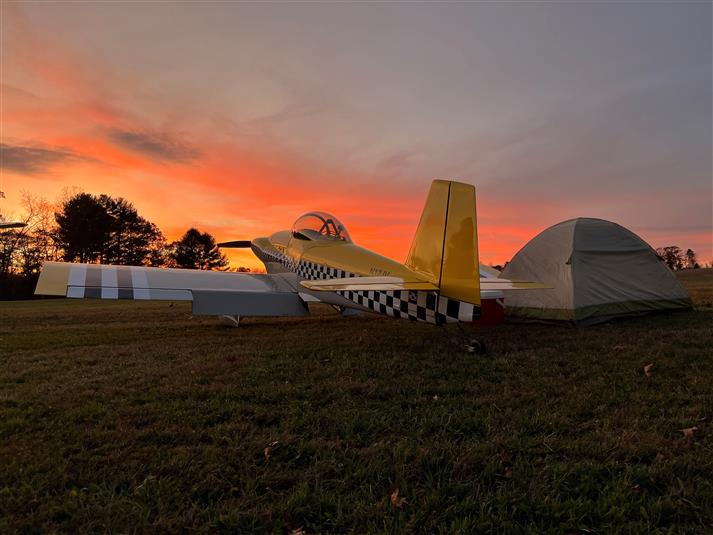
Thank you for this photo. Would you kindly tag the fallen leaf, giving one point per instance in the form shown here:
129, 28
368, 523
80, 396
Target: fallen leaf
648, 368
298, 531
397, 502
268, 449
660, 457
508, 472
435, 398
688, 432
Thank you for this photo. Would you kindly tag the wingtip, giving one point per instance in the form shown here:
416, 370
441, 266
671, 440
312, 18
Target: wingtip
53, 279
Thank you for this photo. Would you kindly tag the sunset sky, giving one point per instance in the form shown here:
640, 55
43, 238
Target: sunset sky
238, 117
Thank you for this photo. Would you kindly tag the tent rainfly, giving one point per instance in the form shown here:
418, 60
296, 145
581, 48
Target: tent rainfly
599, 270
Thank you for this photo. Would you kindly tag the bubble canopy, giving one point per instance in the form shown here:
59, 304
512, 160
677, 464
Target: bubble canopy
320, 226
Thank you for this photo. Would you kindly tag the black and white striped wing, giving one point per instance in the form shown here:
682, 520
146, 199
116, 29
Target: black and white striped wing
211, 292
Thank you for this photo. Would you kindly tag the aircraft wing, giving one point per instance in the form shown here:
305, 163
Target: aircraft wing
211, 292
367, 283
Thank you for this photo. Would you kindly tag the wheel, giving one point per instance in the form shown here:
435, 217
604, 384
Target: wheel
475, 346
229, 321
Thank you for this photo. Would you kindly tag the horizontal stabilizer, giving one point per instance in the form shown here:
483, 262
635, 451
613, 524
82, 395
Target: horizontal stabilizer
357, 284
505, 284
235, 244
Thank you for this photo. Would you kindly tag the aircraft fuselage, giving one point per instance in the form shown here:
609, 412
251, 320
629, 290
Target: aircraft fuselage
319, 259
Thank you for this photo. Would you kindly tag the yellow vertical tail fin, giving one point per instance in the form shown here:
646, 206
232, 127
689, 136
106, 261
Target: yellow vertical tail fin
445, 247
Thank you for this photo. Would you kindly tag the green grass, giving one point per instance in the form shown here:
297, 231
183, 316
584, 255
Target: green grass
128, 417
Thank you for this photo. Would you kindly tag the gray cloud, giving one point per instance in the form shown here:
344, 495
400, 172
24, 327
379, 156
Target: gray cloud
12, 91
156, 145
35, 160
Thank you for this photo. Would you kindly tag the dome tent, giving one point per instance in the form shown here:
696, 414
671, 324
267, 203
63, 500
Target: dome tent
599, 270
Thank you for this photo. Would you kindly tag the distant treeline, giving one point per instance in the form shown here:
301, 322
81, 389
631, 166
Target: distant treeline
676, 259
94, 229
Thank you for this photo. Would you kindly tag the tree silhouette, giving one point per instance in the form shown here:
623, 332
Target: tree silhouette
132, 238
691, 259
106, 230
83, 229
672, 256
198, 250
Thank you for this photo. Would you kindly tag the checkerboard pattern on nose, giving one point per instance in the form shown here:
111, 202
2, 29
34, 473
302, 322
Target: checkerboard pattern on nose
312, 271
426, 306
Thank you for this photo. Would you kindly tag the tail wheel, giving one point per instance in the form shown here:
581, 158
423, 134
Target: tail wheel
475, 346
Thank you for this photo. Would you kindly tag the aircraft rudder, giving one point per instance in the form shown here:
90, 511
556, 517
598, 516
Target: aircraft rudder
445, 247
460, 272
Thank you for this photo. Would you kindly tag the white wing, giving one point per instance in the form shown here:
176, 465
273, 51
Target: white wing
211, 292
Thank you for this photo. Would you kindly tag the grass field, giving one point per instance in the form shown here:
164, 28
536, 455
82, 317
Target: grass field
128, 417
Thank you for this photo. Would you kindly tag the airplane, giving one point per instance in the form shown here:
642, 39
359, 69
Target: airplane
317, 261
